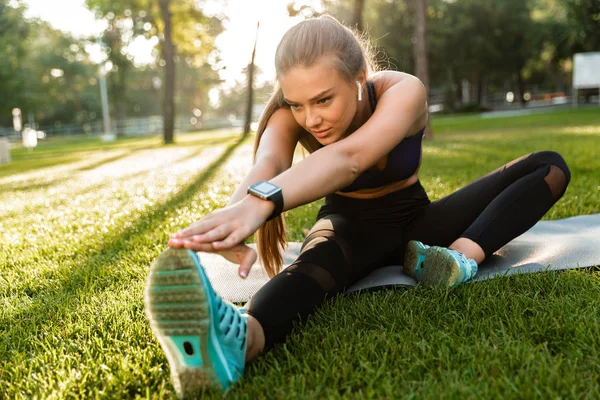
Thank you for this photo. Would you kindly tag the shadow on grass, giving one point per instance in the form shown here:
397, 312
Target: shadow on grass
93, 273
200, 142
17, 167
43, 160
42, 185
108, 160
48, 183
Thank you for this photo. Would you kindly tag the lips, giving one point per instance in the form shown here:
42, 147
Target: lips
321, 133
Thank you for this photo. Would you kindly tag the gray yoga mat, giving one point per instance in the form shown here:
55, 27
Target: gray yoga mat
549, 245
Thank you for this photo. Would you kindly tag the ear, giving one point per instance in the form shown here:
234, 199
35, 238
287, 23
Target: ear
362, 77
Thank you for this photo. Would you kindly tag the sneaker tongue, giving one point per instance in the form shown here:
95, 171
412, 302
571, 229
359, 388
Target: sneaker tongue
474, 267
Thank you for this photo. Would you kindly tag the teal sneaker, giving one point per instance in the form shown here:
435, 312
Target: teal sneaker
203, 336
414, 255
445, 267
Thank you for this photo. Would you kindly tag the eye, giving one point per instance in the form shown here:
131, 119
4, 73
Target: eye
324, 100
294, 106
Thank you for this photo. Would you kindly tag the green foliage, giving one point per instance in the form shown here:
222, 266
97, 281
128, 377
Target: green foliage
29, 51
194, 32
71, 96
484, 40
584, 20
13, 32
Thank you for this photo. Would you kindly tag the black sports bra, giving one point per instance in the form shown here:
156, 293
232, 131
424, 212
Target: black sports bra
402, 162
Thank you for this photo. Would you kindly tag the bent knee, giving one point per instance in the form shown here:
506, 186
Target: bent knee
550, 157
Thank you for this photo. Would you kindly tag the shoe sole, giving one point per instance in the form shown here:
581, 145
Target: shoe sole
413, 254
179, 312
441, 268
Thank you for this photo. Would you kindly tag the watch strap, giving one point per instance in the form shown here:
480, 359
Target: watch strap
277, 199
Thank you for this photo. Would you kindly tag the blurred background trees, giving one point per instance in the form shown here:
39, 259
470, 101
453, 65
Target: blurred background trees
476, 52
188, 45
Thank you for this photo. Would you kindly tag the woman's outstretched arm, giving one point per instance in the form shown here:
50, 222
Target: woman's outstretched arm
323, 172
274, 155
275, 152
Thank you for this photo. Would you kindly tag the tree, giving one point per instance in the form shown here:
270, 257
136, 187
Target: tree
122, 63
60, 77
359, 5
168, 51
14, 30
250, 101
420, 50
182, 29
45, 73
583, 18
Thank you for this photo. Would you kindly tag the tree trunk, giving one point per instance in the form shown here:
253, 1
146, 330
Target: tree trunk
458, 99
420, 51
556, 78
118, 78
250, 103
359, 5
121, 103
479, 92
169, 57
521, 85
449, 95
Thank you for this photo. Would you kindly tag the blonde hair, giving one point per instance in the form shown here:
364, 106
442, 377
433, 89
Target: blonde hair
301, 46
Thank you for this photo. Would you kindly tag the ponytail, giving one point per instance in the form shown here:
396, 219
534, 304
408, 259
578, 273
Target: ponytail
270, 237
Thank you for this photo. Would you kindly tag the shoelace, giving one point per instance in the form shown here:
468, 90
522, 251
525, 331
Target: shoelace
465, 261
231, 323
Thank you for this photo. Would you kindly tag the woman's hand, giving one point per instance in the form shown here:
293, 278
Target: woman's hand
223, 231
240, 254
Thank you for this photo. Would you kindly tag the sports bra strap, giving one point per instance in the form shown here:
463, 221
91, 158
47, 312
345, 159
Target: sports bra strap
372, 95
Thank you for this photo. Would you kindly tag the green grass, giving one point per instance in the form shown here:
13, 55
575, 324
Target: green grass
55, 151
77, 236
479, 122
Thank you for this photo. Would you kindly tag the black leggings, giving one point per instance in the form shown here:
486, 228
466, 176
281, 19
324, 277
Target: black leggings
353, 237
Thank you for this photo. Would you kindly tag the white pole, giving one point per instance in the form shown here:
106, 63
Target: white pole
104, 98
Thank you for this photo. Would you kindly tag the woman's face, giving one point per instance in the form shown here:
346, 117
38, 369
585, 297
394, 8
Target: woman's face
321, 100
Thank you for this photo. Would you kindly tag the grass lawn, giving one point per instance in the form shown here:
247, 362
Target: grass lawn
81, 221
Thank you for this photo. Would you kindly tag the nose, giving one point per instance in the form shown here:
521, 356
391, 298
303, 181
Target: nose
313, 119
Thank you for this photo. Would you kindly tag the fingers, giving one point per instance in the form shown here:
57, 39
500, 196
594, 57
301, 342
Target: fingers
176, 243
197, 228
239, 253
188, 244
235, 237
247, 262
226, 234
218, 233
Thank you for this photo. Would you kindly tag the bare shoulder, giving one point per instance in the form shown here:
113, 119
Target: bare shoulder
383, 80
280, 136
412, 90
283, 118
276, 144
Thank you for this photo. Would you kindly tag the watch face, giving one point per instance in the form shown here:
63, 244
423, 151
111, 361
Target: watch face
265, 188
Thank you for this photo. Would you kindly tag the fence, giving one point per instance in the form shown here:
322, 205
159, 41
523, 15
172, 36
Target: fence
146, 126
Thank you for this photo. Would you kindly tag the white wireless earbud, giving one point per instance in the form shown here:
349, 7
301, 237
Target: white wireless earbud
359, 90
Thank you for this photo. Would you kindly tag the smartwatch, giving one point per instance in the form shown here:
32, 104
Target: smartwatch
267, 191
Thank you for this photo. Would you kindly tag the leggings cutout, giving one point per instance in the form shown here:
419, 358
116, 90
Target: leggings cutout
557, 181
318, 274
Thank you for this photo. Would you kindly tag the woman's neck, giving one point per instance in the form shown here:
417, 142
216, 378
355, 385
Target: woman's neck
363, 112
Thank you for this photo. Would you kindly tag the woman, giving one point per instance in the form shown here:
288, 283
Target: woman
364, 132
